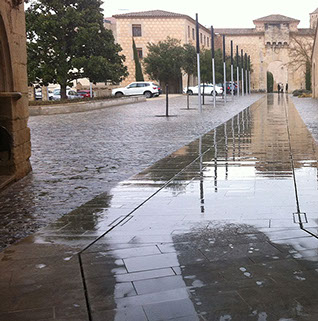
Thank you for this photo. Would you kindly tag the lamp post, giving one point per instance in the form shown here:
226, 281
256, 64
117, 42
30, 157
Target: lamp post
242, 65
213, 64
198, 60
232, 76
224, 70
237, 71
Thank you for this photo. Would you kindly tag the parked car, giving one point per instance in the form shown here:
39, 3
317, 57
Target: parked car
229, 88
71, 94
208, 90
38, 94
84, 93
149, 89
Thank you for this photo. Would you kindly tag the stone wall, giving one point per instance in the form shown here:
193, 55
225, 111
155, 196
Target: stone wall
13, 88
315, 67
270, 55
154, 30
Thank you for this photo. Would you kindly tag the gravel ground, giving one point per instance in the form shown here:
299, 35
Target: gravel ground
78, 156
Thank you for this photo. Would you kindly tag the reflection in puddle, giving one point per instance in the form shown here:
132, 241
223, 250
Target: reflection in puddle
211, 231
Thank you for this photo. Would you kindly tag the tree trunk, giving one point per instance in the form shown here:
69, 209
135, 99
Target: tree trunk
63, 92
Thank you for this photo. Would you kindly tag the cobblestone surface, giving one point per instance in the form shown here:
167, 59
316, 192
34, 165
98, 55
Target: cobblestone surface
308, 110
78, 156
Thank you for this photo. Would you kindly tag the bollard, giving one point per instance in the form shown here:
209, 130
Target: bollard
167, 100
188, 103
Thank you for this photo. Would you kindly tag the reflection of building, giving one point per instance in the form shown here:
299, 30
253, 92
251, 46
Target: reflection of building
270, 45
13, 91
154, 26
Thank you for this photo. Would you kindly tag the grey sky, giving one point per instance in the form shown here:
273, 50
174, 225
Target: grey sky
236, 14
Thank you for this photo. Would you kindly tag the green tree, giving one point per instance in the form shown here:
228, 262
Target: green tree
66, 40
189, 64
270, 82
164, 62
138, 71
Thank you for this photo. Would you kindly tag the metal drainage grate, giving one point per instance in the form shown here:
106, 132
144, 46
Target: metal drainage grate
300, 218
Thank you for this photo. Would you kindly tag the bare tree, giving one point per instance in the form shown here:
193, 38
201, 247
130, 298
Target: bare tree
300, 51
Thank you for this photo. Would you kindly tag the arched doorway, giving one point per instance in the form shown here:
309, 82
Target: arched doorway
6, 87
280, 73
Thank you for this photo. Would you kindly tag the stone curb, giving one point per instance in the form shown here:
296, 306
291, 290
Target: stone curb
82, 106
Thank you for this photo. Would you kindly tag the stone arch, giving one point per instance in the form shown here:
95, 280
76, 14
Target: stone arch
279, 71
6, 78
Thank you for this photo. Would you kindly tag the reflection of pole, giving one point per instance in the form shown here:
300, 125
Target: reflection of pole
213, 64
232, 70
233, 138
239, 135
242, 65
246, 82
201, 176
226, 152
224, 70
237, 71
243, 122
198, 60
215, 163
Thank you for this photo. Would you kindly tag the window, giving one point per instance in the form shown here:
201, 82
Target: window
136, 30
139, 52
208, 41
201, 40
189, 32
204, 40
193, 36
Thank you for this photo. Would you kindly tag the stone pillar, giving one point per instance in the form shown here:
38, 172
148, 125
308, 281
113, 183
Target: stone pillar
14, 92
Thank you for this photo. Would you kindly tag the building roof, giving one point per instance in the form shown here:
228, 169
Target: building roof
276, 18
149, 14
316, 11
236, 31
157, 14
305, 32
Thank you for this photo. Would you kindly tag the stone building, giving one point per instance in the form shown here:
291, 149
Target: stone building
154, 26
270, 43
314, 73
15, 146
272, 46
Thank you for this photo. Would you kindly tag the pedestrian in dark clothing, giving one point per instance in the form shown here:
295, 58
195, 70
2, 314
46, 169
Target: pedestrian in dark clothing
287, 88
278, 88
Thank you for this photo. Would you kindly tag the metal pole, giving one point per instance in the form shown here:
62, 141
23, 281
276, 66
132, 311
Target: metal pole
224, 70
242, 63
167, 100
232, 70
198, 60
249, 74
213, 65
237, 71
246, 82
91, 90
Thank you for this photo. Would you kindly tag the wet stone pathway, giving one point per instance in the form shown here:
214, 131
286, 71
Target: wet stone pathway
76, 157
223, 229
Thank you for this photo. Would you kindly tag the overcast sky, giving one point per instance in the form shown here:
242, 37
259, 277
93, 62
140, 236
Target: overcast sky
235, 14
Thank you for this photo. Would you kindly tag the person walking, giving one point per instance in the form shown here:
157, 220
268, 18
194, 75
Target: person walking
286, 88
278, 88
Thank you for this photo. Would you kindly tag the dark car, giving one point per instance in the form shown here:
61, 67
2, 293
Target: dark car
84, 93
229, 88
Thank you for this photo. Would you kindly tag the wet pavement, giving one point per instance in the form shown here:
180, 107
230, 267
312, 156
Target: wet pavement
78, 156
223, 229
